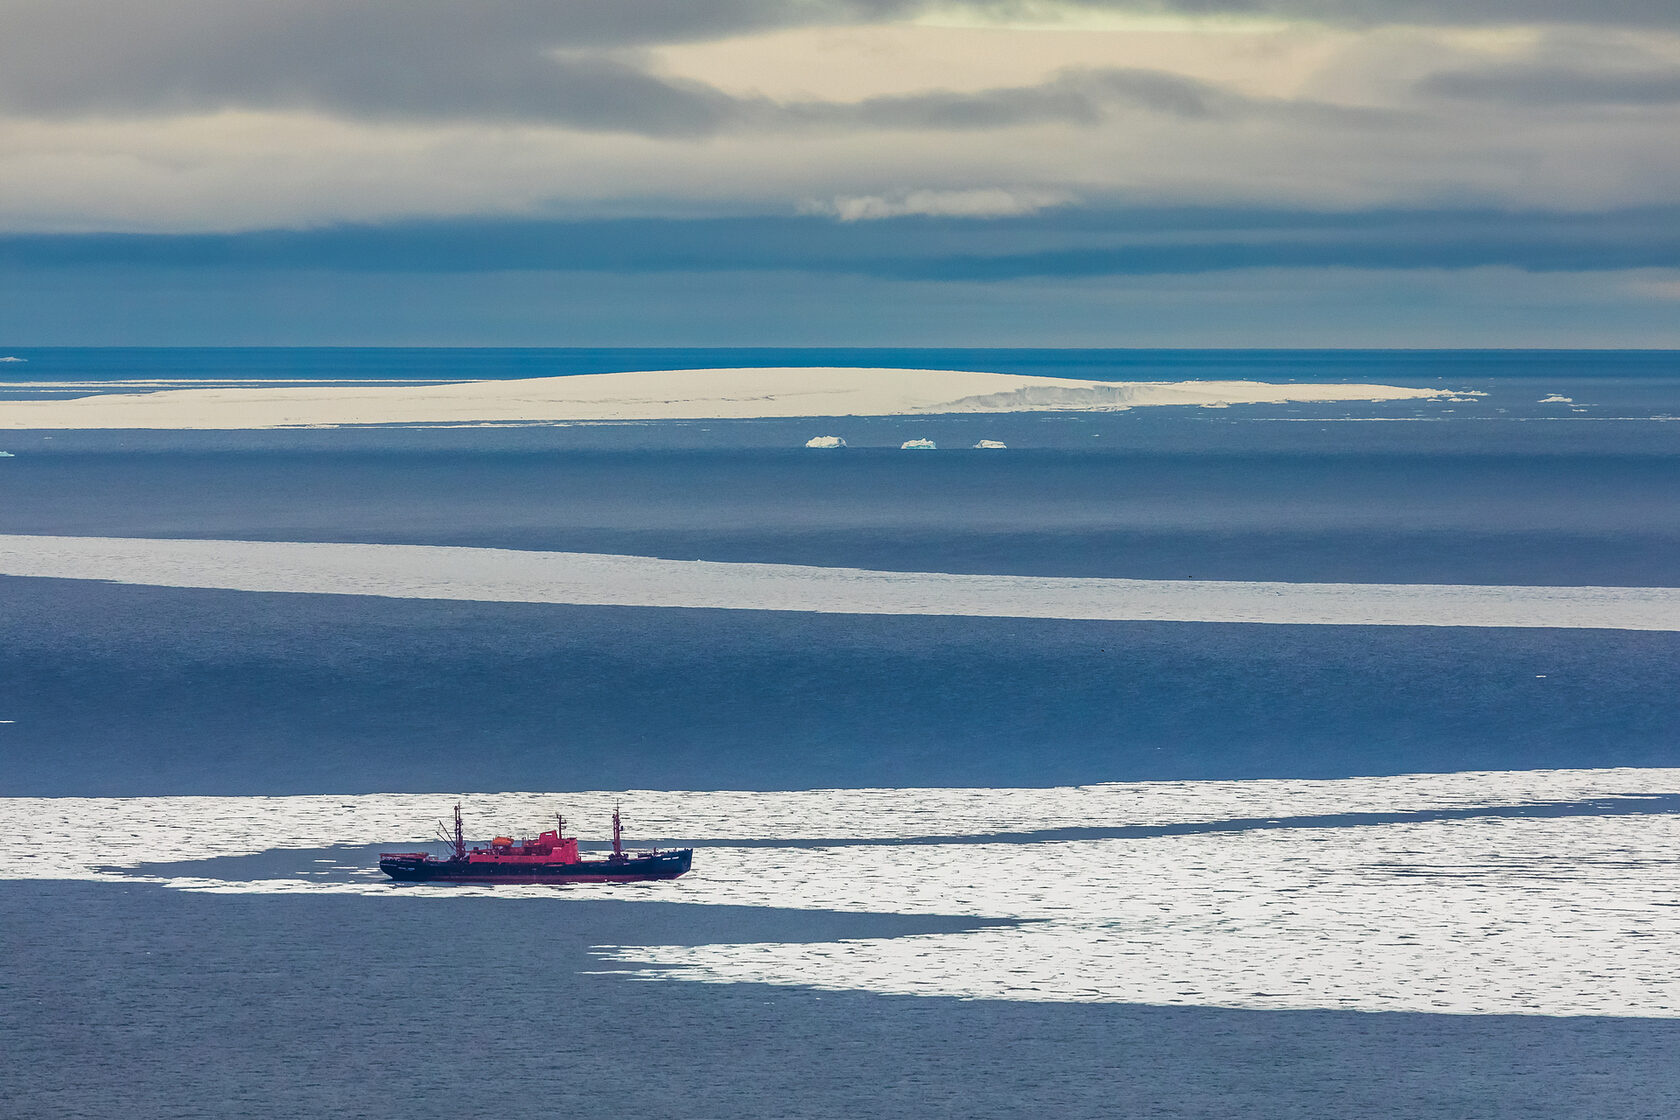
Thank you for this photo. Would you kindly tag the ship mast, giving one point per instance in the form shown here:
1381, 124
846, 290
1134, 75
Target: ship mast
618, 833
460, 838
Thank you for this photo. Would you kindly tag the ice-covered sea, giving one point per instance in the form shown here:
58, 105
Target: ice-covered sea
1545, 892
1257, 761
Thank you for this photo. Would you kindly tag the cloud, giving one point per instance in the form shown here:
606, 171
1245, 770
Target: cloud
1647, 13
993, 202
526, 63
1075, 96
557, 60
573, 63
1557, 85
1067, 242
537, 63
215, 114
99, 306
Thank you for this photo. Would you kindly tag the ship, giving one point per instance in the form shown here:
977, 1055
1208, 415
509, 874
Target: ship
550, 858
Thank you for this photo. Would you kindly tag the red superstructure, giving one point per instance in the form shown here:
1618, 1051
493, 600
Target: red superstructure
550, 858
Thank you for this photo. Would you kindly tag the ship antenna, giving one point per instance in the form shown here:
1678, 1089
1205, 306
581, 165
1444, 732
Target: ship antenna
618, 832
460, 839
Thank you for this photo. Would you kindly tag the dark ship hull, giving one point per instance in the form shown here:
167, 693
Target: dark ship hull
626, 869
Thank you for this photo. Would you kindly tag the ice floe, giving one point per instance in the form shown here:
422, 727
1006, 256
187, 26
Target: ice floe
657, 395
597, 579
1521, 892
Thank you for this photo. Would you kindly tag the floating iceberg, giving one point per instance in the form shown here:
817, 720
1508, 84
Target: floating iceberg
7, 455
918, 445
13, 359
1555, 399
825, 441
989, 443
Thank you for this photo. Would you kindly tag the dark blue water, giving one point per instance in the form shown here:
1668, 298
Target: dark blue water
1599, 516
468, 363
137, 1002
121, 690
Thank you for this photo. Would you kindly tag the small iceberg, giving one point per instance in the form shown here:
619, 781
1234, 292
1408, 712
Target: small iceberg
1555, 399
7, 455
987, 444
825, 441
9, 359
918, 445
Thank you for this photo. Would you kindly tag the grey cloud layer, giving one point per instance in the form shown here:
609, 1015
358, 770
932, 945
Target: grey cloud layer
489, 59
1067, 243
560, 61
441, 71
572, 63
1557, 85
1446, 12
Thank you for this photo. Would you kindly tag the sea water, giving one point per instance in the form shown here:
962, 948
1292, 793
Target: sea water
946, 865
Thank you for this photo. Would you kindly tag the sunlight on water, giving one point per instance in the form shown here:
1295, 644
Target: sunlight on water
1277, 908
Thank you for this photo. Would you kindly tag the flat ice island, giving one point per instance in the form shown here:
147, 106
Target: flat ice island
693, 394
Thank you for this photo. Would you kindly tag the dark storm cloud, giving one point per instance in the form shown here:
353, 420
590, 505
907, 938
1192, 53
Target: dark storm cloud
516, 78
550, 60
1073, 96
1071, 242
487, 59
1646, 13
566, 62
605, 94
1076, 96
1557, 85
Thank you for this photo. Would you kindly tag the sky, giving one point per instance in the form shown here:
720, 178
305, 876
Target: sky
840, 172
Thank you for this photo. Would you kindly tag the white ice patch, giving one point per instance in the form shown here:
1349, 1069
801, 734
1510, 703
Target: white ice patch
593, 579
1564, 915
825, 441
1498, 915
918, 445
1556, 399
990, 445
656, 395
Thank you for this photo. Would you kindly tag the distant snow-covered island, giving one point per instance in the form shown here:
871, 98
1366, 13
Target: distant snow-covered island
694, 394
